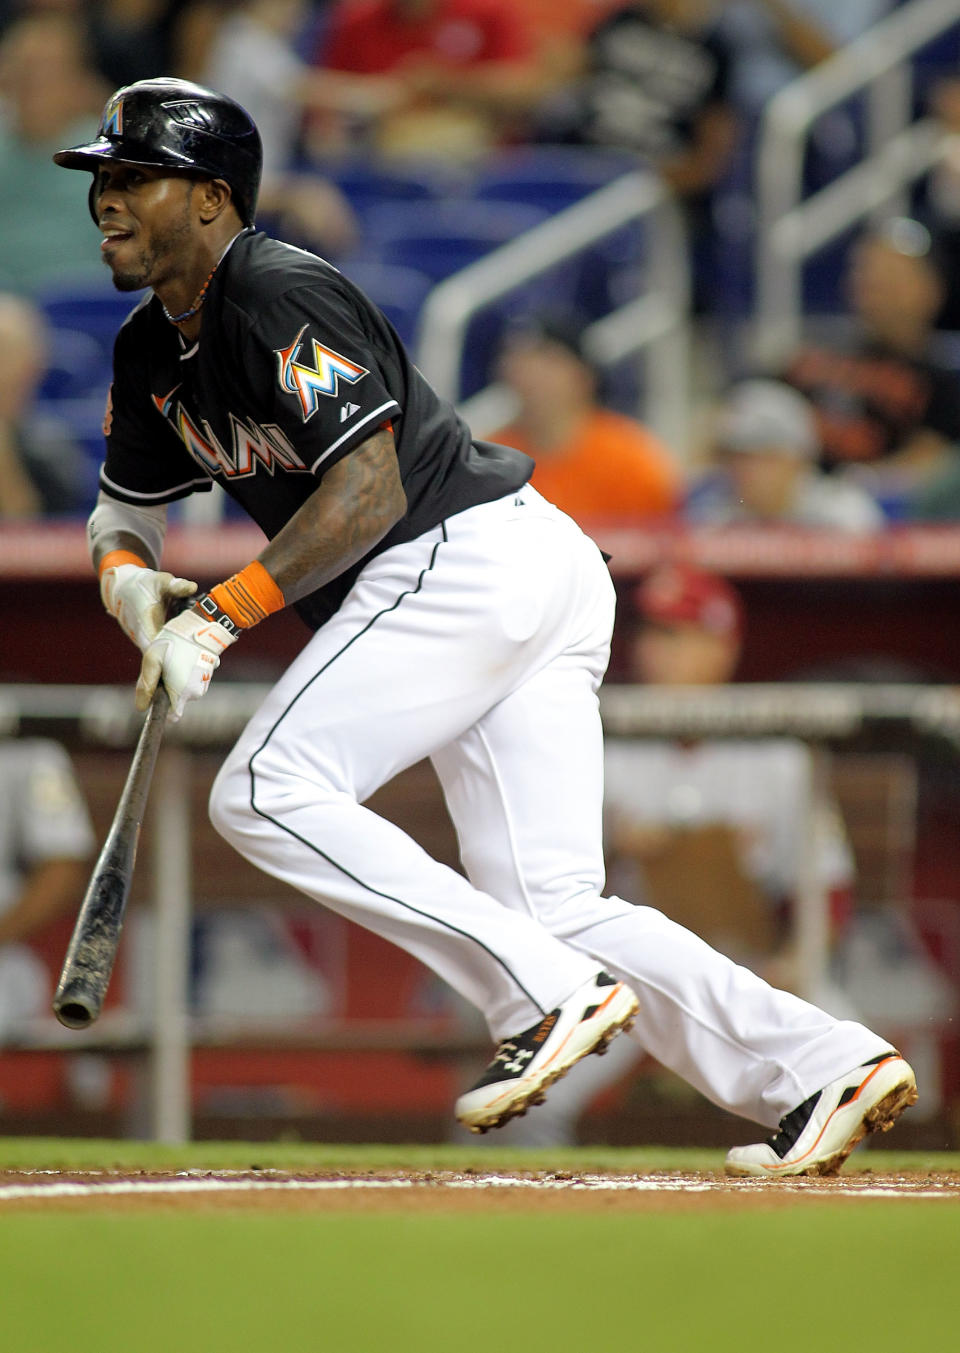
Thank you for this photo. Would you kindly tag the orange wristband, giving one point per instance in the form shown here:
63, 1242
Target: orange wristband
249, 596
114, 558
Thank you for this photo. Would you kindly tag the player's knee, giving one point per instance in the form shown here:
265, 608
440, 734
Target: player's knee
562, 912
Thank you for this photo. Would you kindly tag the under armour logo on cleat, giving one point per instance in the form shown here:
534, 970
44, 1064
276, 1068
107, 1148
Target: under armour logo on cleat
347, 411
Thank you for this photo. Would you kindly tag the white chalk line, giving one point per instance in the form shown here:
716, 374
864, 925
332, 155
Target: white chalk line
187, 1184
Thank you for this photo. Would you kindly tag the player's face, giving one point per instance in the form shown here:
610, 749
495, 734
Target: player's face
145, 217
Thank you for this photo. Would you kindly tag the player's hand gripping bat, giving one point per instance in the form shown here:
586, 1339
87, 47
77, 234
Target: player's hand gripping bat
93, 945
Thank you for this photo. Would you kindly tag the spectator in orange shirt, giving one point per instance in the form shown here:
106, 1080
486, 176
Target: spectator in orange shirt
592, 463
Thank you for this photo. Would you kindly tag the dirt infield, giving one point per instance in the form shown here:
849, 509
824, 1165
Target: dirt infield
418, 1190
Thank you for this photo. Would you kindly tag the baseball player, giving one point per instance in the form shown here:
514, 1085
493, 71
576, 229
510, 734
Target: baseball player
455, 614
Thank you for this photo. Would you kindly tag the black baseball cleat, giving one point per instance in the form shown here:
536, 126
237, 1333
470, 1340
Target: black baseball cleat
525, 1066
817, 1136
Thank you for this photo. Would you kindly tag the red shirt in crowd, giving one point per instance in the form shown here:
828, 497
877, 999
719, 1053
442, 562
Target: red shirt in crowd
371, 37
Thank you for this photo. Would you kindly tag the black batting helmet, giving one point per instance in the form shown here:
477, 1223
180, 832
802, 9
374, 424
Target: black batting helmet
174, 124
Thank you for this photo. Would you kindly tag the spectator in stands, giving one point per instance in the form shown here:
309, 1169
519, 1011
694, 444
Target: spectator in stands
591, 462
715, 828
765, 447
774, 41
943, 200
46, 841
252, 57
39, 462
457, 76
49, 96
887, 413
132, 39
654, 79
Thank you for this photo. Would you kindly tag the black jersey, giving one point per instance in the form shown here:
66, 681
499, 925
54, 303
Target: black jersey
294, 368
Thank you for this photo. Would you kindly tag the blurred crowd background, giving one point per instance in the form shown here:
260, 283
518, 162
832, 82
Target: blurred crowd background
405, 141
406, 138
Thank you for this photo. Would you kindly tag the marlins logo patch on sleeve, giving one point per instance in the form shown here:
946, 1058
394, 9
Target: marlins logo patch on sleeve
308, 382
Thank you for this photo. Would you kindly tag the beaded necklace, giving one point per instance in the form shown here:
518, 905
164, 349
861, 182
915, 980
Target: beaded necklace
198, 300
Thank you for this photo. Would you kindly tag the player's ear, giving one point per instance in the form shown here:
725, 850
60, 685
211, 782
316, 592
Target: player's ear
213, 198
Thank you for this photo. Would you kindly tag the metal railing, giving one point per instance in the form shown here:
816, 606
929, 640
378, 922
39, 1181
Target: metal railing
103, 717
657, 322
789, 229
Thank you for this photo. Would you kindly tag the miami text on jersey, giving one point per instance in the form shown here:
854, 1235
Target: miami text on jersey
323, 378
252, 444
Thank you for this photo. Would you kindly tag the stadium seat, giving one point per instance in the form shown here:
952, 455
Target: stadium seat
97, 311
440, 238
399, 292
77, 365
551, 177
367, 184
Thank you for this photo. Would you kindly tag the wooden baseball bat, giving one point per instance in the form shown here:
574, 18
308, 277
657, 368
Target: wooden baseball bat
93, 945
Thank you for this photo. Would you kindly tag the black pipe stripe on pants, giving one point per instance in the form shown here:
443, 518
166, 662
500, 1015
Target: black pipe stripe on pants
407, 906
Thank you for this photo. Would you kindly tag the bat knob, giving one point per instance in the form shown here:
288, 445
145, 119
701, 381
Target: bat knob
74, 1008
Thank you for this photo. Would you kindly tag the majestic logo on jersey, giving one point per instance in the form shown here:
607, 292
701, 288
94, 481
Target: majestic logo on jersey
252, 445
113, 120
309, 382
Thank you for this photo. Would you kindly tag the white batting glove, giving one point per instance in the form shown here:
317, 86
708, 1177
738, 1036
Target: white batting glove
138, 599
185, 653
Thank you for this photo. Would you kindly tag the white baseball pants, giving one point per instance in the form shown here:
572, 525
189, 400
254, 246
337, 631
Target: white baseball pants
482, 645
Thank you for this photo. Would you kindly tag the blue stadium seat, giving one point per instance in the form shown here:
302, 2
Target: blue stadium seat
399, 292
551, 177
77, 365
368, 183
440, 238
97, 312
83, 325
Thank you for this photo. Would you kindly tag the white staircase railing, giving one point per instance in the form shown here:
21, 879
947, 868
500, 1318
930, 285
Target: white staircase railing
656, 323
789, 229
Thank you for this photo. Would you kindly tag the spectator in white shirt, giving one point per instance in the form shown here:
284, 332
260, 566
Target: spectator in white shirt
252, 58
764, 451
46, 841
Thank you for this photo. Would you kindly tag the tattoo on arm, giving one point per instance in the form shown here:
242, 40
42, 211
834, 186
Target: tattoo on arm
355, 505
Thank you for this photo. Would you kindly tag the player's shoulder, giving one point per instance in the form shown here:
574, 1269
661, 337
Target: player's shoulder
264, 273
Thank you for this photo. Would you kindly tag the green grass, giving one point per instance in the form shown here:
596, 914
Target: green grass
82, 1153
837, 1274
841, 1276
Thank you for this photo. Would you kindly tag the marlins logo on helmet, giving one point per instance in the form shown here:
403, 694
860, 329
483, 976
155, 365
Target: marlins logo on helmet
113, 119
323, 378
